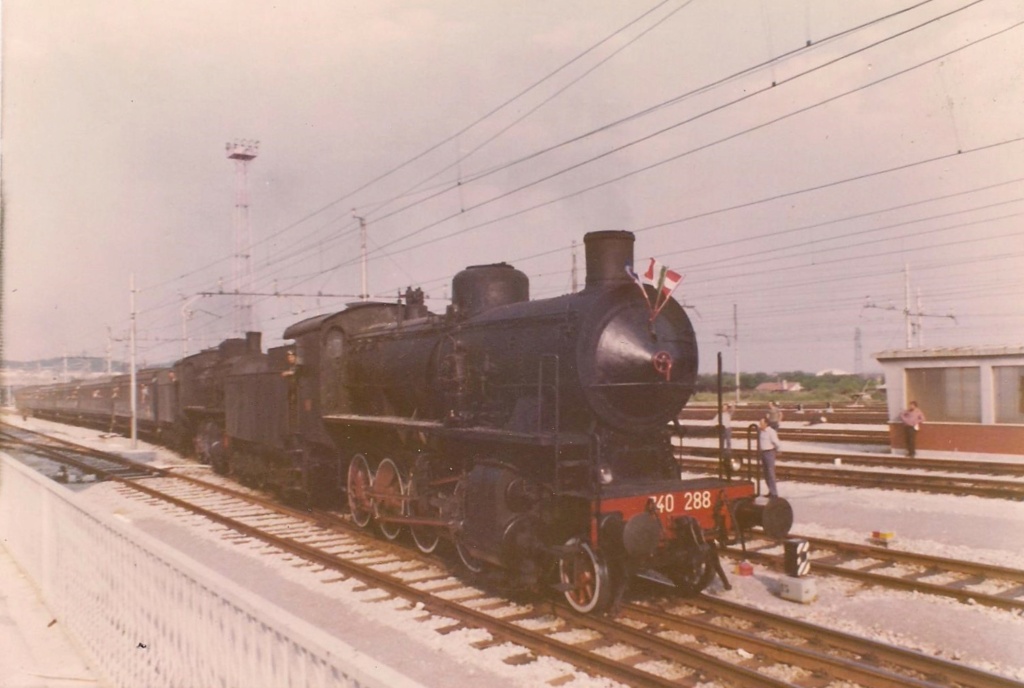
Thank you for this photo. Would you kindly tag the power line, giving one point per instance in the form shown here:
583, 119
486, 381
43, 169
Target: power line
477, 121
667, 103
735, 261
696, 149
517, 121
647, 111
805, 190
941, 157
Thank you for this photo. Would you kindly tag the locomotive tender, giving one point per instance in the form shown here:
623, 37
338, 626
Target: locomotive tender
533, 435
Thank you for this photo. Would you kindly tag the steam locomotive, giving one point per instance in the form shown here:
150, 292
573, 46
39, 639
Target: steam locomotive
532, 435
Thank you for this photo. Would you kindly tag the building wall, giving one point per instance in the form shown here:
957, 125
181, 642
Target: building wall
962, 437
983, 434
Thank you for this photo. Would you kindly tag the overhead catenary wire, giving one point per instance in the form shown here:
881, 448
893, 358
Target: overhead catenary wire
463, 157
805, 190
677, 99
650, 110
794, 229
437, 145
693, 150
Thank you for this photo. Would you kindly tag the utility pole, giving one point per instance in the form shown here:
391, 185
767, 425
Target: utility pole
912, 318
575, 273
186, 314
736, 350
734, 342
858, 353
364, 291
242, 152
132, 378
906, 307
917, 324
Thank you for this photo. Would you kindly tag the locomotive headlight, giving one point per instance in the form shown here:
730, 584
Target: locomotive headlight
605, 473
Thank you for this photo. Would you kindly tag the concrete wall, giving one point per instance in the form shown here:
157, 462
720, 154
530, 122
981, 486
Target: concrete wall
145, 615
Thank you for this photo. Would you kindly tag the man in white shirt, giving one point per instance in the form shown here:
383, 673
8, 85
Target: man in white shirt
767, 446
725, 421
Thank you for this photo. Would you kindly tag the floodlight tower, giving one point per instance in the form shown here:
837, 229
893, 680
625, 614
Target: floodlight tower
242, 151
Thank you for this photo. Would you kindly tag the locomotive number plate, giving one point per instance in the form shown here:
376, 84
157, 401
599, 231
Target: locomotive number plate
692, 501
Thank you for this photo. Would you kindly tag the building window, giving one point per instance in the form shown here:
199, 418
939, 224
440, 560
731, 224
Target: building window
946, 394
1009, 386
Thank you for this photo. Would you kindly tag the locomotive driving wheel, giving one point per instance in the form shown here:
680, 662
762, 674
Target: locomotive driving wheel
693, 566
585, 576
360, 504
695, 572
209, 446
473, 564
425, 537
389, 493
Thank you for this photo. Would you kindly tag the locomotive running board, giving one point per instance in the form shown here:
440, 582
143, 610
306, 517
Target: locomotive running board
462, 433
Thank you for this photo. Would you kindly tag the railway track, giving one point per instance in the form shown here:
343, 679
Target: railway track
686, 643
887, 461
842, 414
893, 480
969, 582
830, 436
54, 457
798, 434
833, 650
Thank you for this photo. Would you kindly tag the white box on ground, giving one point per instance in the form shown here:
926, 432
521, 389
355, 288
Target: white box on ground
803, 590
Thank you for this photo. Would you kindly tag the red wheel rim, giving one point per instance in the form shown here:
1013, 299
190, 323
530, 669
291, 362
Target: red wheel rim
388, 490
359, 480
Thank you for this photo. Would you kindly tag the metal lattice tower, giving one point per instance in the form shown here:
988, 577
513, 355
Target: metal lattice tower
242, 151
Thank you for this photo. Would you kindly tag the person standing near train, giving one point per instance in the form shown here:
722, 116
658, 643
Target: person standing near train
912, 418
774, 415
725, 423
768, 446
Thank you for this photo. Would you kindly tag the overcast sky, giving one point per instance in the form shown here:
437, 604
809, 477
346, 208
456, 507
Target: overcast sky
470, 132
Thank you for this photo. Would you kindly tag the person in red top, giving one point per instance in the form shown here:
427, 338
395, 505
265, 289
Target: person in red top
911, 418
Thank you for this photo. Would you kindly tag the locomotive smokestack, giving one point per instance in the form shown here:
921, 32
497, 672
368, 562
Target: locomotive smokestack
608, 254
253, 342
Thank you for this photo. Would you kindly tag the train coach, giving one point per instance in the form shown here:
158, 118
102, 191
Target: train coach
105, 403
533, 435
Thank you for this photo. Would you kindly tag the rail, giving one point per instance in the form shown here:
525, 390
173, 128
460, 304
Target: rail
144, 614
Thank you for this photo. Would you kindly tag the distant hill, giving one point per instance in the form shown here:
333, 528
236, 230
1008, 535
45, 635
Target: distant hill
75, 364
51, 370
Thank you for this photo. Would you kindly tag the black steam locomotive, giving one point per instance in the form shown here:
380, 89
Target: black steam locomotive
533, 435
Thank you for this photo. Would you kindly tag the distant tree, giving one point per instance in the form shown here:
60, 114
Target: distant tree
823, 388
